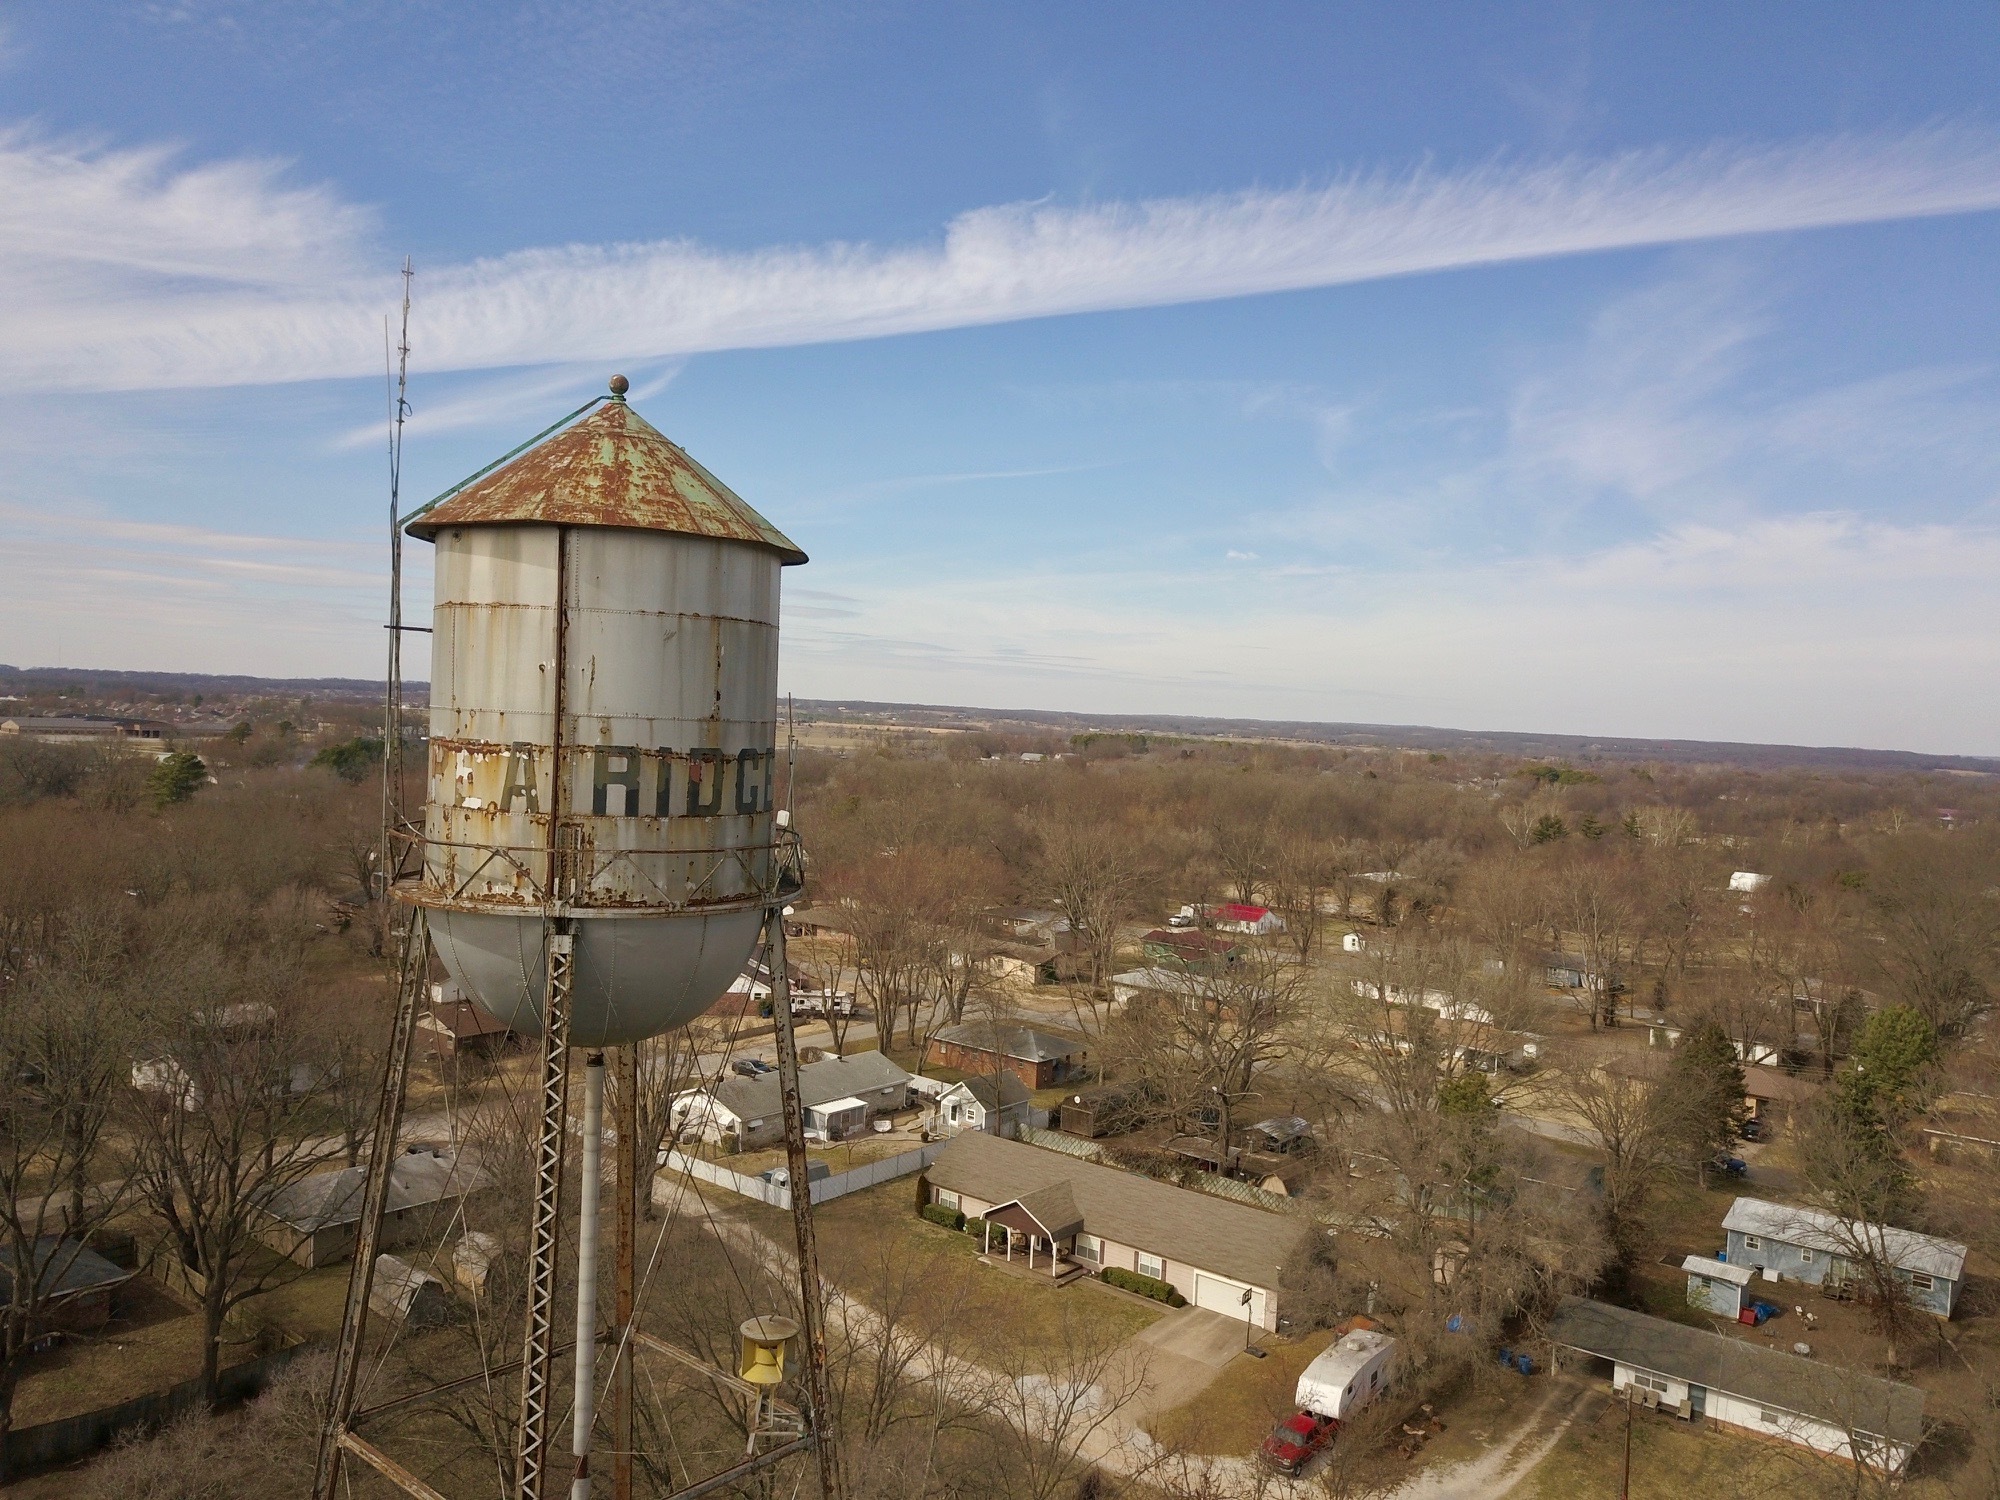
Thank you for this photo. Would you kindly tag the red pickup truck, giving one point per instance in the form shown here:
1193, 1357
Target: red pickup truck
1298, 1438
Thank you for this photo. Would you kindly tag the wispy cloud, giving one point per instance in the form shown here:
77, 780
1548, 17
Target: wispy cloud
122, 270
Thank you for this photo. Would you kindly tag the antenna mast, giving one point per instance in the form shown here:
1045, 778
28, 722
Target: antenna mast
392, 707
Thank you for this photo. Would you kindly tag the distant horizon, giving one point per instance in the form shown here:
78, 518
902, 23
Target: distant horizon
1333, 732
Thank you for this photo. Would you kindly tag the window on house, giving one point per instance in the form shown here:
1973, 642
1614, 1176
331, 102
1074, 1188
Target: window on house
1805, 1257
1153, 1266
947, 1198
1650, 1383
1771, 1418
1751, 1242
1087, 1249
1919, 1282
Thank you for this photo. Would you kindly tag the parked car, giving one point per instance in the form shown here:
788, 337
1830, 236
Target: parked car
1730, 1166
1752, 1129
1298, 1438
751, 1067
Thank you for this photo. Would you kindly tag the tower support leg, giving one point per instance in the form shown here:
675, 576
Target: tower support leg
545, 1232
812, 1304
413, 973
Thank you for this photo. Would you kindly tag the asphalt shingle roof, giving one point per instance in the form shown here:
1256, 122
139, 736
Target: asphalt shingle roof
1847, 1399
819, 1083
1020, 1042
1230, 1239
329, 1198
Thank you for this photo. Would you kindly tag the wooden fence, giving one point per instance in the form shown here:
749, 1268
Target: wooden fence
49, 1444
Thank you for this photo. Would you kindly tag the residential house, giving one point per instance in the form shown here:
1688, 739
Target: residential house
313, 1221
1716, 1286
1699, 1375
78, 1286
1071, 1214
1236, 916
1748, 882
1803, 1244
1040, 1059
455, 1026
1768, 1093
1446, 1007
1186, 948
1030, 924
840, 1095
981, 1102
1172, 984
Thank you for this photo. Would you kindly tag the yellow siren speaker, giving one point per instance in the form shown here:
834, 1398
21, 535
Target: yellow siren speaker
762, 1359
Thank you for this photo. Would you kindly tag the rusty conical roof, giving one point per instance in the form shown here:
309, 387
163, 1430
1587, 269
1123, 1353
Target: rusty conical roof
614, 468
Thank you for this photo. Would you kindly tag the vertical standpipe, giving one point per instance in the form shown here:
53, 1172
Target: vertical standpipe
586, 1273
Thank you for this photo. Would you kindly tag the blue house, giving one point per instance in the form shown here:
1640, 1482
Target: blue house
1803, 1244
1716, 1286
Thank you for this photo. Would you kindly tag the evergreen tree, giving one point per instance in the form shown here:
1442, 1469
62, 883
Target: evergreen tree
1706, 1085
1889, 1064
176, 778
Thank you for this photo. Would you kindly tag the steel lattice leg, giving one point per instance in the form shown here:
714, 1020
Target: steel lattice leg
545, 1235
382, 1146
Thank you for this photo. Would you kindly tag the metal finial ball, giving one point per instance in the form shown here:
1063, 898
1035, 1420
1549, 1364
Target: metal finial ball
620, 385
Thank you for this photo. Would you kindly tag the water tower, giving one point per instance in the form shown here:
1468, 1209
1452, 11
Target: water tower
603, 736
600, 845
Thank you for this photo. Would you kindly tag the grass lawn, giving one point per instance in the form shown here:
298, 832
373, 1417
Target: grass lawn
308, 1307
993, 1313
152, 1344
1243, 1403
1671, 1459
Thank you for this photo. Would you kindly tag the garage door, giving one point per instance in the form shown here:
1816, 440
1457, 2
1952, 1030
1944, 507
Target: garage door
1226, 1297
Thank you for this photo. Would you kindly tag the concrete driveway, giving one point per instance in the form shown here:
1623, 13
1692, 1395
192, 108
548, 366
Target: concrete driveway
1206, 1337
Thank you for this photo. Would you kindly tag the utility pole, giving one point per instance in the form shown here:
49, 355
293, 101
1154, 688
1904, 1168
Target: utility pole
1625, 1484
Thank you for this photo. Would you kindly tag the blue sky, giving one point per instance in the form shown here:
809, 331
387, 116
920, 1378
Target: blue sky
1562, 368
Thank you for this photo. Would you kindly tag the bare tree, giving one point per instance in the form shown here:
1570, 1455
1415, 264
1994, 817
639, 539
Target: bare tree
1590, 907
224, 1118
1634, 1127
1058, 1394
1939, 930
61, 1057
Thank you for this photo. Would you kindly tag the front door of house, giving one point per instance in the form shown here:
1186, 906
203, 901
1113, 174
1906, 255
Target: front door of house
1697, 1400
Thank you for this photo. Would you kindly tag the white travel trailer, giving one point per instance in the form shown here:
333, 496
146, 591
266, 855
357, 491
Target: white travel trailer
1347, 1375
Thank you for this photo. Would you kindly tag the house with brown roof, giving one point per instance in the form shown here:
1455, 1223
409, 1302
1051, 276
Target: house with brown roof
1040, 1059
1067, 1214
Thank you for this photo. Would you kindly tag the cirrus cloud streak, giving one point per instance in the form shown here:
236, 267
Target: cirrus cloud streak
129, 273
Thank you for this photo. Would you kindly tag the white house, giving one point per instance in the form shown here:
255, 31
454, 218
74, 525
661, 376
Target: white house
1749, 882
980, 1103
1701, 1376
840, 1095
1447, 1007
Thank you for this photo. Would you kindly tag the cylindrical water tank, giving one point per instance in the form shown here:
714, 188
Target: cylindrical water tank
603, 728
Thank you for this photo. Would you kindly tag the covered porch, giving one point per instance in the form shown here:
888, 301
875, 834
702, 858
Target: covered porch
1036, 1233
